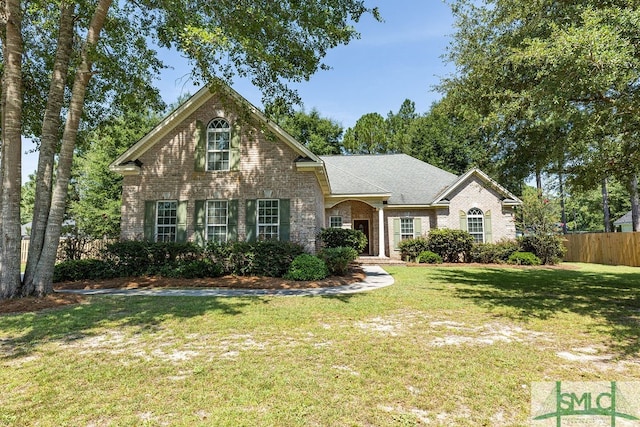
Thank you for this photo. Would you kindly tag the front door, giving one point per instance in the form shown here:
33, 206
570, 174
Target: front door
363, 225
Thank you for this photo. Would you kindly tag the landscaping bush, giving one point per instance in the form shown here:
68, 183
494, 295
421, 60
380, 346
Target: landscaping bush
548, 248
493, 253
265, 258
81, 269
337, 260
191, 269
523, 258
410, 249
428, 257
343, 237
451, 245
135, 258
307, 267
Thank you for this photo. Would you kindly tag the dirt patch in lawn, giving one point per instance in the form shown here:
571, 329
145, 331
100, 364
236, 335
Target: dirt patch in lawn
19, 305
23, 305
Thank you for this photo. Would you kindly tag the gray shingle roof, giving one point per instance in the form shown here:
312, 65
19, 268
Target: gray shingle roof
624, 219
408, 180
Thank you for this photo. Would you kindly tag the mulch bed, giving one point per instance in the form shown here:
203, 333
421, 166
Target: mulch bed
21, 305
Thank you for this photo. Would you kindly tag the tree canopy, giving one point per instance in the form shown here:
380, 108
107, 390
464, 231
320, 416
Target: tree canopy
555, 84
68, 65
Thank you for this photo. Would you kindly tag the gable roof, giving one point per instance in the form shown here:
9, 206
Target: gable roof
509, 198
407, 180
624, 219
126, 163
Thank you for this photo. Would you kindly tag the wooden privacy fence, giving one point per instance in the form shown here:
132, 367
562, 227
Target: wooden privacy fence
81, 248
604, 248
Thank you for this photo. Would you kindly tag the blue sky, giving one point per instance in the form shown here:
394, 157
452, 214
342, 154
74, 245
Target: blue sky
394, 60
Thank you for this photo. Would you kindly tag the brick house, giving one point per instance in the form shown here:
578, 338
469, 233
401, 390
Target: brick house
217, 169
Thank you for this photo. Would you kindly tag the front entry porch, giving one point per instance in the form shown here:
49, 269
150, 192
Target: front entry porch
367, 217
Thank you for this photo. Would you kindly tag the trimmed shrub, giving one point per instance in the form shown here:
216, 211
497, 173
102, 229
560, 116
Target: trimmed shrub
273, 258
493, 253
191, 269
548, 248
451, 245
134, 258
307, 267
338, 259
81, 269
343, 237
265, 258
523, 258
428, 257
410, 249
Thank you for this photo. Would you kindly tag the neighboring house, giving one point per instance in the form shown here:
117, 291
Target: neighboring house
216, 169
624, 223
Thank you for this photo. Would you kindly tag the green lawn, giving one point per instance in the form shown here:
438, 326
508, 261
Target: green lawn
443, 346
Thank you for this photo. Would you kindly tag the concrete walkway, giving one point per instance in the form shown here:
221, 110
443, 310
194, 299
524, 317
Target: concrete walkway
376, 278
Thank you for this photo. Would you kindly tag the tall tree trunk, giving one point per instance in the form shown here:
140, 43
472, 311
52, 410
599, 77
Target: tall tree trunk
606, 210
635, 205
11, 149
563, 213
539, 182
49, 141
43, 276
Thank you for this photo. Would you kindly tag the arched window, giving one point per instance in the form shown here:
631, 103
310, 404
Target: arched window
218, 137
475, 224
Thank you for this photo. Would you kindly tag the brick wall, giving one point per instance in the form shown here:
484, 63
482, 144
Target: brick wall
474, 193
267, 170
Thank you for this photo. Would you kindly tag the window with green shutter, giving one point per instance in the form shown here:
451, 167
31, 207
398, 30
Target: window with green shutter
488, 235
406, 228
475, 224
181, 222
232, 221
150, 220
199, 222
250, 219
396, 233
285, 220
200, 154
234, 150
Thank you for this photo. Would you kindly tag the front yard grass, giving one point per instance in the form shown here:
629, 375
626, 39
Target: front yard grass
443, 346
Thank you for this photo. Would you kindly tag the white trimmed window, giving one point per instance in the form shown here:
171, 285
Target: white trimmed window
218, 137
475, 224
166, 220
217, 220
268, 219
406, 228
335, 221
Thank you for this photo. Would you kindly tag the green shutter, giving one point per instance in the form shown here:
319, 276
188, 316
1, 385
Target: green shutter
463, 221
417, 227
250, 220
488, 236
234, 149
150, 220
200, 153
396, 232
284, 229
181, 222
232, 221
199, 222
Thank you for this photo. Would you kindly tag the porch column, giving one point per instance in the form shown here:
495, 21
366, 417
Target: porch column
381, 252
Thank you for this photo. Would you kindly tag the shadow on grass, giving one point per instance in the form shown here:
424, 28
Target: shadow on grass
540, 293
76, 322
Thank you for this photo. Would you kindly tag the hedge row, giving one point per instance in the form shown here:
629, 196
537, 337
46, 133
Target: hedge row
458, 246
188, 260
